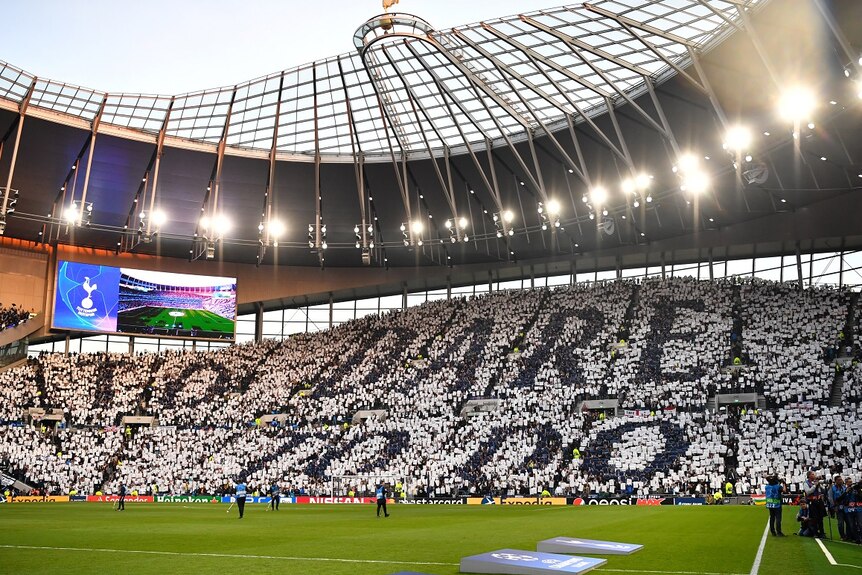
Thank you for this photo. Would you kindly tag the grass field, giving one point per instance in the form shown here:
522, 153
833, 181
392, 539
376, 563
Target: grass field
139, 319
318, 539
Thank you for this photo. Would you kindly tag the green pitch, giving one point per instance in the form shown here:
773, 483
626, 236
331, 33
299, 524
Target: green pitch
156, 317
317, 539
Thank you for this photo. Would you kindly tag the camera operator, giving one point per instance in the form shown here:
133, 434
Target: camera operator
836, 499
816, 508
773, 490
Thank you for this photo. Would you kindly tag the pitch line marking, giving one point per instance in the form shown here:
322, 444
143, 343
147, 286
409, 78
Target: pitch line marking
664, 572
759, 557
831, 559
223, 555
324, 559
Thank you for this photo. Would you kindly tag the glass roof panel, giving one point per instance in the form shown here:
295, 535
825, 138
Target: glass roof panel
414, 91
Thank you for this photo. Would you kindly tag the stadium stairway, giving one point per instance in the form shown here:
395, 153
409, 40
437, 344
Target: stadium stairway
851, 318
447, 325
736, 330
110, 470
517, 342
634, 300
837, 391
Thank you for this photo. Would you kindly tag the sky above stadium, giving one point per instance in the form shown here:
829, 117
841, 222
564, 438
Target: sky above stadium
170, 47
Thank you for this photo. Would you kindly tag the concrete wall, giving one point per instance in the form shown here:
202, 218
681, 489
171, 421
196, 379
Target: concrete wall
23, 275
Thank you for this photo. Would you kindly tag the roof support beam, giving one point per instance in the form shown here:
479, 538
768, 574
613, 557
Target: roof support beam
318, 195
846, 47
758, 46
213, 188
509, 143
160, 145
500, 67
358, 161
266, 215
534, 58
598, 71
400, 178
650, 46
416, 106
22, 111
93, 132
635, 24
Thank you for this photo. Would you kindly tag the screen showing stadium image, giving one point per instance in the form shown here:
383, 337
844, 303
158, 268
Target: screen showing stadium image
130, 301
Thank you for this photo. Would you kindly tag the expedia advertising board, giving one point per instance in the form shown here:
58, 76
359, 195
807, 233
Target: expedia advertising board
533, 501
38, 499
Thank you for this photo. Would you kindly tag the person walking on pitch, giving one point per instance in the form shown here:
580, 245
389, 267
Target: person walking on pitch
121, 504
274, 496
381, 499
240, 497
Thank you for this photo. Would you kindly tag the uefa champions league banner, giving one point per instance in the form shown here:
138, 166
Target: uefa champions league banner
86, 297
90, 297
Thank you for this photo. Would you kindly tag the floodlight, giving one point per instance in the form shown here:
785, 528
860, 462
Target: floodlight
417, 227
796, 104
737, 138
276, 229
598, 195
158, 218
553, 207
462, 223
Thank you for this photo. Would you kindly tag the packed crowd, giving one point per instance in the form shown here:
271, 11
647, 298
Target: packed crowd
661, 347
12, 316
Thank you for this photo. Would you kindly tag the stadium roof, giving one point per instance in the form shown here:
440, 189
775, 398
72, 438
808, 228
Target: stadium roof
507, 75
514, 125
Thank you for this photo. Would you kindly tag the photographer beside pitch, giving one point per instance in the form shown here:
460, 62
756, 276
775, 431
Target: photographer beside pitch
837, 502
773, 490
816, 507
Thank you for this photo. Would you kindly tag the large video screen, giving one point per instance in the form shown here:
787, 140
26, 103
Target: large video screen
106, 299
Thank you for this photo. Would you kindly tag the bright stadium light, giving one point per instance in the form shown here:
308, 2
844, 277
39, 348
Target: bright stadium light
796, 104
686, 163
417, 227
276, 229
643, 181
158, 218
553, 207
508, 216
737, 139
70, 214
598, 195
221, 224
462, 223
696, 182
448, 224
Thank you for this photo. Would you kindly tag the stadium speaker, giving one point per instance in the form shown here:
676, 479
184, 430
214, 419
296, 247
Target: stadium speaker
366, 257
756, 173
608, 226
210, 250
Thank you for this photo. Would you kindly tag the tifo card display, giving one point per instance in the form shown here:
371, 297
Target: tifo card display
588, 546
519, 562
125, 300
